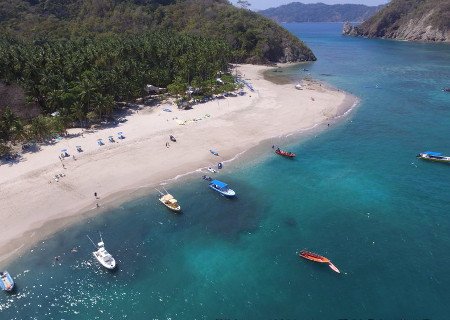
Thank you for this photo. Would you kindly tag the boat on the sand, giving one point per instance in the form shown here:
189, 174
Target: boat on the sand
222, 188
285, 153
433, 156
6, 281
318, 258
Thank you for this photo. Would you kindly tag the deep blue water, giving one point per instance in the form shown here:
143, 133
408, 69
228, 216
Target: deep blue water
355, 194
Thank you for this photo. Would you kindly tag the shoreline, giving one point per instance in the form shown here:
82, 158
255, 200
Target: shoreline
128, 169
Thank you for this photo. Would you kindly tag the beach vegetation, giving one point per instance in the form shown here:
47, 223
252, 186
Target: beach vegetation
78, 59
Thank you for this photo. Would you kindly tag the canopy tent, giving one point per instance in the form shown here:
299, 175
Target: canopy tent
433, 154
220, 184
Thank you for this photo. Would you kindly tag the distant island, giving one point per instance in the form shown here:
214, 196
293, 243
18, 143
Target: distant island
320, 12
414, 20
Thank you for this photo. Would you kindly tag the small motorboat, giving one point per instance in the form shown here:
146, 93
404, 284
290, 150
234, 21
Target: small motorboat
318, 258
111, 139
214, 152
220, 165
172, 138
212, 170
285, 153
433, 156
6, 281
207, 178
103, 256
446, 89
298, 86
222, 188
169, 201
79, 149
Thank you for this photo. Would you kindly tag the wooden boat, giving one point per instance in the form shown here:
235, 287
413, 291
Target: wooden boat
6, 281
433, 156
285, 153
318, 258
222, 188
169, 201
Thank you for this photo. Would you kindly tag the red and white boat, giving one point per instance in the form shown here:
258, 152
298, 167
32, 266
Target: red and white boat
318, 258
284, 153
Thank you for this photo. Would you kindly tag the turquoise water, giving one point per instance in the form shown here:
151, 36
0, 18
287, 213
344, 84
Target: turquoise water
355, 194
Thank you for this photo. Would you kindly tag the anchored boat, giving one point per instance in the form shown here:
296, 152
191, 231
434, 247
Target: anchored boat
169, 201
222, 188
103, 256
433, 156
318, 258
6, 281
285, 153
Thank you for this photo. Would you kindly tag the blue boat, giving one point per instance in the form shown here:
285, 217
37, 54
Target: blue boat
6, 281
222, 188
433, 156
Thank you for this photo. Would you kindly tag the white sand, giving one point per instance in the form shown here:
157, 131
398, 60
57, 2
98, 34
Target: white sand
29, 202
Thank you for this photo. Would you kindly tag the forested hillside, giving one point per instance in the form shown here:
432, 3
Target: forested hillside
78, 58
320, 12
417, 20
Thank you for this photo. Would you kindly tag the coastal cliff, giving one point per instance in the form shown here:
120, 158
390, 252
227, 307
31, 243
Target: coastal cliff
413, 20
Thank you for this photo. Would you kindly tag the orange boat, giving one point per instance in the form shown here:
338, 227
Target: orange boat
318, 258
285, 153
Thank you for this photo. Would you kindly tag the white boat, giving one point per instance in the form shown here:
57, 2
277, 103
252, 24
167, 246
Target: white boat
298, 86
222, 188
103, 256
6, 281
169, 201
212, 170
433, 156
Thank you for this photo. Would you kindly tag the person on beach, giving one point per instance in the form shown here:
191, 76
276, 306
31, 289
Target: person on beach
95, 195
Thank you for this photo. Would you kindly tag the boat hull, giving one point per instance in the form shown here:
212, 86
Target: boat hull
318, 258
436, 157
176, 210
229, 193
109, 266
285, 154
6, 282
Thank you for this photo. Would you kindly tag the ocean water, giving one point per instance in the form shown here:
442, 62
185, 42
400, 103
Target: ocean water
355, 193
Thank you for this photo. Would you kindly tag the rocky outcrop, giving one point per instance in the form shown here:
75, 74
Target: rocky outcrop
413, 20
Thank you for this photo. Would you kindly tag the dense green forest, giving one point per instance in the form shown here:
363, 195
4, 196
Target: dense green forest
82, 79
78, 58
320, 12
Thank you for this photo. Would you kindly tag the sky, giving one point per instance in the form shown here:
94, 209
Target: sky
264, 4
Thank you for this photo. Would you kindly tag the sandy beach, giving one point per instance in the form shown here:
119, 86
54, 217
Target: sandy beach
32, 199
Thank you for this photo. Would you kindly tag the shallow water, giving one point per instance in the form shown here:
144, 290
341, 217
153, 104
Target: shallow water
355, 193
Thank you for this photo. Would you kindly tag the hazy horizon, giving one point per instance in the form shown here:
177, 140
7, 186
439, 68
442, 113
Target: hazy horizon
265, 4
